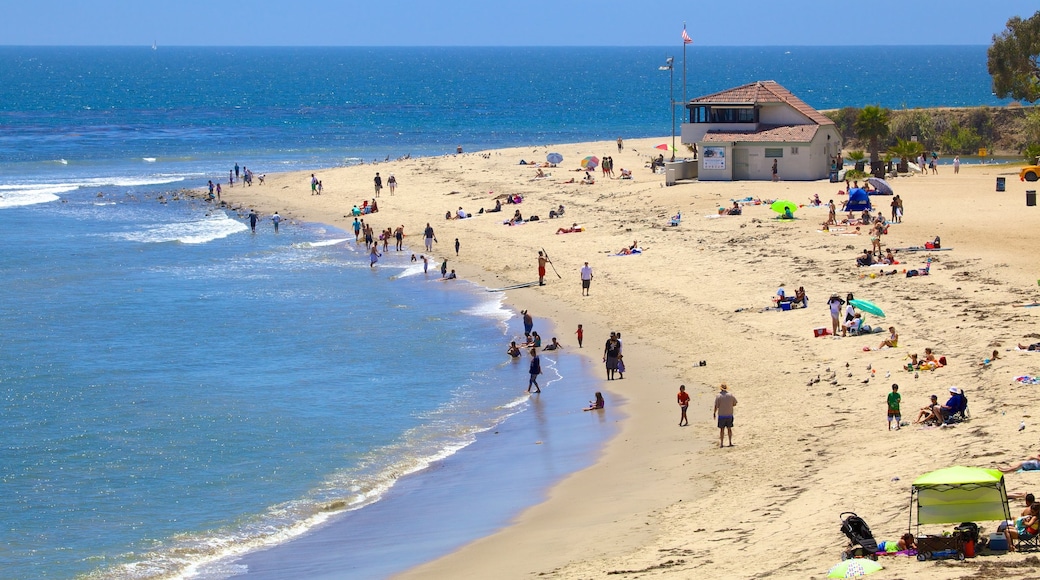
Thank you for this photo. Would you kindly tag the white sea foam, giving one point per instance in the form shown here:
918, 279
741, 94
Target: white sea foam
19, 195
207, 229
491, 309
319, 243
411, 270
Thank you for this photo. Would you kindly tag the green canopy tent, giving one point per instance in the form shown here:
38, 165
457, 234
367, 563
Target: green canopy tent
959, 494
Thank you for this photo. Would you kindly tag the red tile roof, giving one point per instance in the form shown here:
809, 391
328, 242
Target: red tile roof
765, 134
762, 92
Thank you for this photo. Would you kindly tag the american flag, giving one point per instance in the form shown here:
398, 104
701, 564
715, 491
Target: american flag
686, 37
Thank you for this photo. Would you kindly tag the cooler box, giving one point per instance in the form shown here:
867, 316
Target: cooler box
998, 543
820, 332
785, 306
1000, 184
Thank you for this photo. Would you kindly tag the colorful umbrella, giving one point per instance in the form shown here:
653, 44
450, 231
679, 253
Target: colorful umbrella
880, 185
554, 158
868, 307
781, 206
854, 568
590, 162
666, 147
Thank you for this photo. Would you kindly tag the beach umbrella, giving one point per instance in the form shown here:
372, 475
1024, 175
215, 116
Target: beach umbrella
781, 205
590, 162
881, 185
665, 147
554, 158
854, 568
868, 307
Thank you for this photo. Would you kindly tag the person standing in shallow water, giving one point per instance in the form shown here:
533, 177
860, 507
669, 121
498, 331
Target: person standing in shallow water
535, 370
252, 220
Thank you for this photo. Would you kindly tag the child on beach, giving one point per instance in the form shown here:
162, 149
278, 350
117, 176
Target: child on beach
684, 403
621, 366
581, 335
599, 403
893, 407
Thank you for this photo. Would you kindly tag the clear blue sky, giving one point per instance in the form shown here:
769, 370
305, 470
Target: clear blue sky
499, 23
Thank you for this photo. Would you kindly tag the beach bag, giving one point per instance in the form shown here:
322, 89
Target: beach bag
533, 218
911, 273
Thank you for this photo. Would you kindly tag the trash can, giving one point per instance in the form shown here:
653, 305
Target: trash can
1031, 197
1000, 184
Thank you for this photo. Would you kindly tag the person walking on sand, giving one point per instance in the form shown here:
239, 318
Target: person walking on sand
835, 303
775, 177
611, 350
684, 403
541, 267
391, 182
620, 144
429, 237
379, 184
314, 185
724, 404
586, 279
535, 370
893, 407
456, 247
581, 335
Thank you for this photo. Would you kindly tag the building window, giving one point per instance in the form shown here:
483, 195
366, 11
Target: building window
774, 151
794, 151
730, 115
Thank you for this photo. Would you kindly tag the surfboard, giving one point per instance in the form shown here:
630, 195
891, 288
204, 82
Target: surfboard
1033, 305
514, 287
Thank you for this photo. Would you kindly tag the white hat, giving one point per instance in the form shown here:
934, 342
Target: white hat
955, 390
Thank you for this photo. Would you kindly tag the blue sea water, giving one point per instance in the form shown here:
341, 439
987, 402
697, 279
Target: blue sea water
173, 387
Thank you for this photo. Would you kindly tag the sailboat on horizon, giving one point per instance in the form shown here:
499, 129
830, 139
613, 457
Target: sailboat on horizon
154, 46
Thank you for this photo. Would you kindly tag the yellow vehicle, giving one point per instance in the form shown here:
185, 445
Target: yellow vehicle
1029, 173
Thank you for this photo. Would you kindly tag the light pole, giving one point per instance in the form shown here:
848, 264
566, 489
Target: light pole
670, 67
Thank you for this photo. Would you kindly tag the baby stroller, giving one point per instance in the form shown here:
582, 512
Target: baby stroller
861, 540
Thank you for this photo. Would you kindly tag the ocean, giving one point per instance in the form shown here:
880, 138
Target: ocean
177, 392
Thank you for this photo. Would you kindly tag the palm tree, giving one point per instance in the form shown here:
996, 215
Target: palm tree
905, 150
859, 158
872, 125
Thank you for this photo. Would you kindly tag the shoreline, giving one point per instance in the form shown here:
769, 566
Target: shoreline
696, 294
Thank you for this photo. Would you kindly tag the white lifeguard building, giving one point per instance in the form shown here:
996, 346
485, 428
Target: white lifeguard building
740, 132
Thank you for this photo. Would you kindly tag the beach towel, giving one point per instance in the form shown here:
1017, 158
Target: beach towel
634, 252
1028, 380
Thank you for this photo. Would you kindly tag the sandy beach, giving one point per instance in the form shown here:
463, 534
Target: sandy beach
665, 501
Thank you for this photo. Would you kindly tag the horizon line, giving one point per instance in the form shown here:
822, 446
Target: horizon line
676, 45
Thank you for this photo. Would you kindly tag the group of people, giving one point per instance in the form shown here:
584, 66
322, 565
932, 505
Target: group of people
365, 208
936, 414
243, 173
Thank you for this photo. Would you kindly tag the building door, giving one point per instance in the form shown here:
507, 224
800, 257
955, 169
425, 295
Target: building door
741, 167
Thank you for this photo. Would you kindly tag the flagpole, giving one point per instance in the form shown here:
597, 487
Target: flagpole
684, 66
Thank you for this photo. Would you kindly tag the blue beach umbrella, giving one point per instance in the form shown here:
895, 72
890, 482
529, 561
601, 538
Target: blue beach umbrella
554, 158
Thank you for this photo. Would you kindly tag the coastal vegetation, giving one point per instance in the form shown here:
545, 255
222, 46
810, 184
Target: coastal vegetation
1007, 131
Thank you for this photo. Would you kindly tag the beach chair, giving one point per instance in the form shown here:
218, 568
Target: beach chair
676, 219
1027, 543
